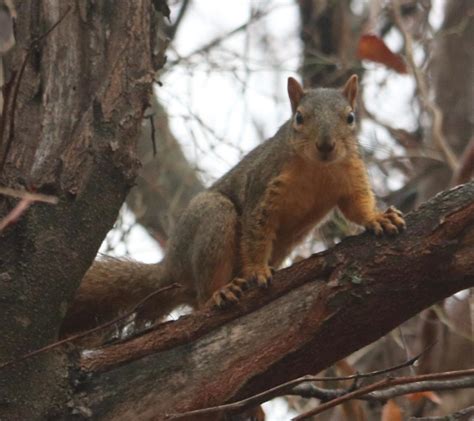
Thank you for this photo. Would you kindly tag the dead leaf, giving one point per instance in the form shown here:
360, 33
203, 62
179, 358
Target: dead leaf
432, 396
391, 412
373, 48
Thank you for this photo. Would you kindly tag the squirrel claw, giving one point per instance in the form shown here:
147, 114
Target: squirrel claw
390, 222
263, 282
396, 217
230, 293
262, 276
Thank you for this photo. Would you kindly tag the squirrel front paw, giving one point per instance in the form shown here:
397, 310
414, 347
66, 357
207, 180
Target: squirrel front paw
390, 222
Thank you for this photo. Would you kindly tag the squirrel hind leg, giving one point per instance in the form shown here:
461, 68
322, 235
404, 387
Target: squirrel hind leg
215, 247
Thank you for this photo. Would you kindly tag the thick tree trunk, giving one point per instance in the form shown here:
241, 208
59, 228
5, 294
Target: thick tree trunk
79, 108
317, 312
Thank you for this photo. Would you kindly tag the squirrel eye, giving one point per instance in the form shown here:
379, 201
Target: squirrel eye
298, 118
350, 117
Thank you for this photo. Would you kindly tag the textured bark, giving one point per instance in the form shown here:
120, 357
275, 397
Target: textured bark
79, 108
317, 311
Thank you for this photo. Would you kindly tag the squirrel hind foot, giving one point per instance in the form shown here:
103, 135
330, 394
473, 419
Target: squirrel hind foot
233, 291
229, 294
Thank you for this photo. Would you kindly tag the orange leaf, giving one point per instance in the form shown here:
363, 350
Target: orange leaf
391, 412
432, 396
373, 48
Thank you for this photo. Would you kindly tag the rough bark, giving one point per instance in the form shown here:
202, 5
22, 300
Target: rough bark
318, 311
78, 111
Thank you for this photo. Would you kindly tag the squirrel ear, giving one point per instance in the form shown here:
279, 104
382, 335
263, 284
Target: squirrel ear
295, 92
350, 90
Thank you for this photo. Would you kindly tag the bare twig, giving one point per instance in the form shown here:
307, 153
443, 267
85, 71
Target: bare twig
430, 106
26, 200
423, 386
15, 213
458, 415
466, 168
382, 384
172, 29
89, 332
309, 390
34, 197
216, 41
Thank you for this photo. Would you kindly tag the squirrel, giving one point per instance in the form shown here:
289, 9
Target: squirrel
234, 233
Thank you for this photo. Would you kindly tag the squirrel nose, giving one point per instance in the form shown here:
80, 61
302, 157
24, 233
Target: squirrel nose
325, 147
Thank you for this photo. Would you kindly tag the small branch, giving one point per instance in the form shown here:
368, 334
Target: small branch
466, 169
206, 47
34, 197
458, 415
308, 390
15, 213
172, 29
89, 332
423, 386
382, 384
288, 387
430, 106
26, 200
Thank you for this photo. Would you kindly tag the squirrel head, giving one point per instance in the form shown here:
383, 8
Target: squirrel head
323, 126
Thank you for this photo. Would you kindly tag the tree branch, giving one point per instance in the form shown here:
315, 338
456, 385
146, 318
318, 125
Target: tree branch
382, 384
318, 311
308, 390
458, 415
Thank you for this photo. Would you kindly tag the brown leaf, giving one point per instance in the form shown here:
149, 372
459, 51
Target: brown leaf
432, 396
391, 412
373, 48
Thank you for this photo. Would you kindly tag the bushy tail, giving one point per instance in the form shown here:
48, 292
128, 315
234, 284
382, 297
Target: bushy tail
111, 287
